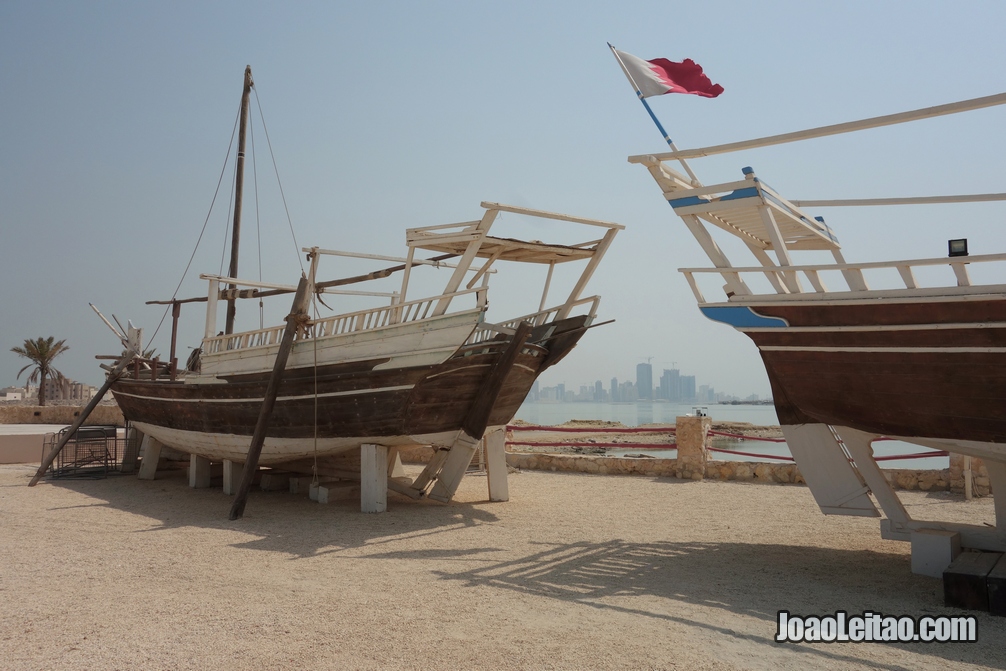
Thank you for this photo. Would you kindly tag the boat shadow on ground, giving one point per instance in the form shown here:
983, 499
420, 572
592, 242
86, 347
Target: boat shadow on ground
667, 580
278, 521
683, 583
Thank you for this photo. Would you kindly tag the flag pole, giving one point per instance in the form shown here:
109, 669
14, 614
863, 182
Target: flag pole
660, 127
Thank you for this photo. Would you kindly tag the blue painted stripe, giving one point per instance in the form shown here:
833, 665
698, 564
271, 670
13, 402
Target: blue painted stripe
749, 192
688, 201
742, 317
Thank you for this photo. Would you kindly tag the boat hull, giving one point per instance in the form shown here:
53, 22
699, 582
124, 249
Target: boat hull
339, 406
917, 369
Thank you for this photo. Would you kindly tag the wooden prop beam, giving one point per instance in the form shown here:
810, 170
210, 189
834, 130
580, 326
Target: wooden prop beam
834, 129
84, 414
477, 419
299, 311
911, 200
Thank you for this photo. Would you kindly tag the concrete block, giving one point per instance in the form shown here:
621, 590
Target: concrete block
933, 550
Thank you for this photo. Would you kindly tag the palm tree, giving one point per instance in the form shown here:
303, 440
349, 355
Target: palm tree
41, 352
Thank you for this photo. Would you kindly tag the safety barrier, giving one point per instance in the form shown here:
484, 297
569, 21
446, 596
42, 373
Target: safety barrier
670, 446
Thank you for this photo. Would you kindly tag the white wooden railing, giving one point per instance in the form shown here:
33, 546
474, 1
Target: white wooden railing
351, 322
488, 331
852, 273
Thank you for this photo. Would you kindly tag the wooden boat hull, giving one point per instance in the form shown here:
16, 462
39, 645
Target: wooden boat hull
927, 369
343, 404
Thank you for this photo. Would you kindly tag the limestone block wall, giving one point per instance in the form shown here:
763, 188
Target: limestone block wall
59, 414
979, 475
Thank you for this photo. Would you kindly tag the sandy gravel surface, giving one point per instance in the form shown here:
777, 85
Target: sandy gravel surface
575, 572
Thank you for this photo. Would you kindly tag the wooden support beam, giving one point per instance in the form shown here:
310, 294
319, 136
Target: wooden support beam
474, 425
458, 459
199, 472
496, 468
134, 439
232, 473
373, 478
297, 313
151, 456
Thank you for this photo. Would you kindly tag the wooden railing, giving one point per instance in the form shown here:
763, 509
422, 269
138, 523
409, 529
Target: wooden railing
851, 272
488, 331
351, 322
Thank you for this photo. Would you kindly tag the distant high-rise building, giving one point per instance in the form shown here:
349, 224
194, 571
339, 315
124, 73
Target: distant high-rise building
599, 391
644, 381
560, 392
670, 385
688, 388
615, 398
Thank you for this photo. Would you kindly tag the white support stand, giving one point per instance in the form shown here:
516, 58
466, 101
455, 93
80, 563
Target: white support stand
837, 487
496, 469
395, 467
199, 472
151, 448
933, 550
458, 459
373, 478
232, 476
329, 492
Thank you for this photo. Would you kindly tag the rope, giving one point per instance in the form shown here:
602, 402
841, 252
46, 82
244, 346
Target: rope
296, 247
220, 180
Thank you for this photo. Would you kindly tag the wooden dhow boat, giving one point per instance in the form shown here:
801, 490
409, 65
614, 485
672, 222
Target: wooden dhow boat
849, 363
308, 395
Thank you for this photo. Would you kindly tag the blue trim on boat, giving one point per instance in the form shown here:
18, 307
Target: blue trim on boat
749, 192
742, 317
687, 201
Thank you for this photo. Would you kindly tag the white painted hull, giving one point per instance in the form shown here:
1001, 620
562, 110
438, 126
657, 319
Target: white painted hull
224, 446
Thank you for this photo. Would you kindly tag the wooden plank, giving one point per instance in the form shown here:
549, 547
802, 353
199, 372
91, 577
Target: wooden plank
373, 478
496, 468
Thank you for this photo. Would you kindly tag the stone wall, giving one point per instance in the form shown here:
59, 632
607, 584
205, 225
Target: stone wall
58, 414
743, 471
979, 475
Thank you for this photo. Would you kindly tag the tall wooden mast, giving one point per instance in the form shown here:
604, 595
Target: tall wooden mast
238, 191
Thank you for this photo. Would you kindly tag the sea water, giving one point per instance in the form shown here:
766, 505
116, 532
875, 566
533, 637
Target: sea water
635, 414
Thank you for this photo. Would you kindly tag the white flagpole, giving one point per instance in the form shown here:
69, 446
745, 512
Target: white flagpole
667, 138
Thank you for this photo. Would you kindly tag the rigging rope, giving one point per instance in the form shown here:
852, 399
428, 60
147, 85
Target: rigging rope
206, 221
296, 247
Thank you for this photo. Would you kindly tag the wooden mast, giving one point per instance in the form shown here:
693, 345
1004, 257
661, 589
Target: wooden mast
238, 192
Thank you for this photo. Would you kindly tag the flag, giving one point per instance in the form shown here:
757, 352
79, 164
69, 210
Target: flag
660, 76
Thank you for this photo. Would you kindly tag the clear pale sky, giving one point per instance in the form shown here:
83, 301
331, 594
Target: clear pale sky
115, 119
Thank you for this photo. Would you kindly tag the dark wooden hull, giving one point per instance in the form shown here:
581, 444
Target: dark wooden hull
925, 368
343, 401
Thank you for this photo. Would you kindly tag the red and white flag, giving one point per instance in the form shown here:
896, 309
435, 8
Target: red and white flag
660, 76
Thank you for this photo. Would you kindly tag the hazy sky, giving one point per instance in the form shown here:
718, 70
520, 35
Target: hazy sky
115, 119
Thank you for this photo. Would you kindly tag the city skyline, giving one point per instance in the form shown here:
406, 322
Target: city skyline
672, 387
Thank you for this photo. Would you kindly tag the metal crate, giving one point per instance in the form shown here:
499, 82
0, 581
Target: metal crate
91, 452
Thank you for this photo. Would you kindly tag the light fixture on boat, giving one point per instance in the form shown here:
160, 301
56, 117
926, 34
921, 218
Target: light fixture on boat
958, 247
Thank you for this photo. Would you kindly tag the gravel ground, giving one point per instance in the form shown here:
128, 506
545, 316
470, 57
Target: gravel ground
575, 572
